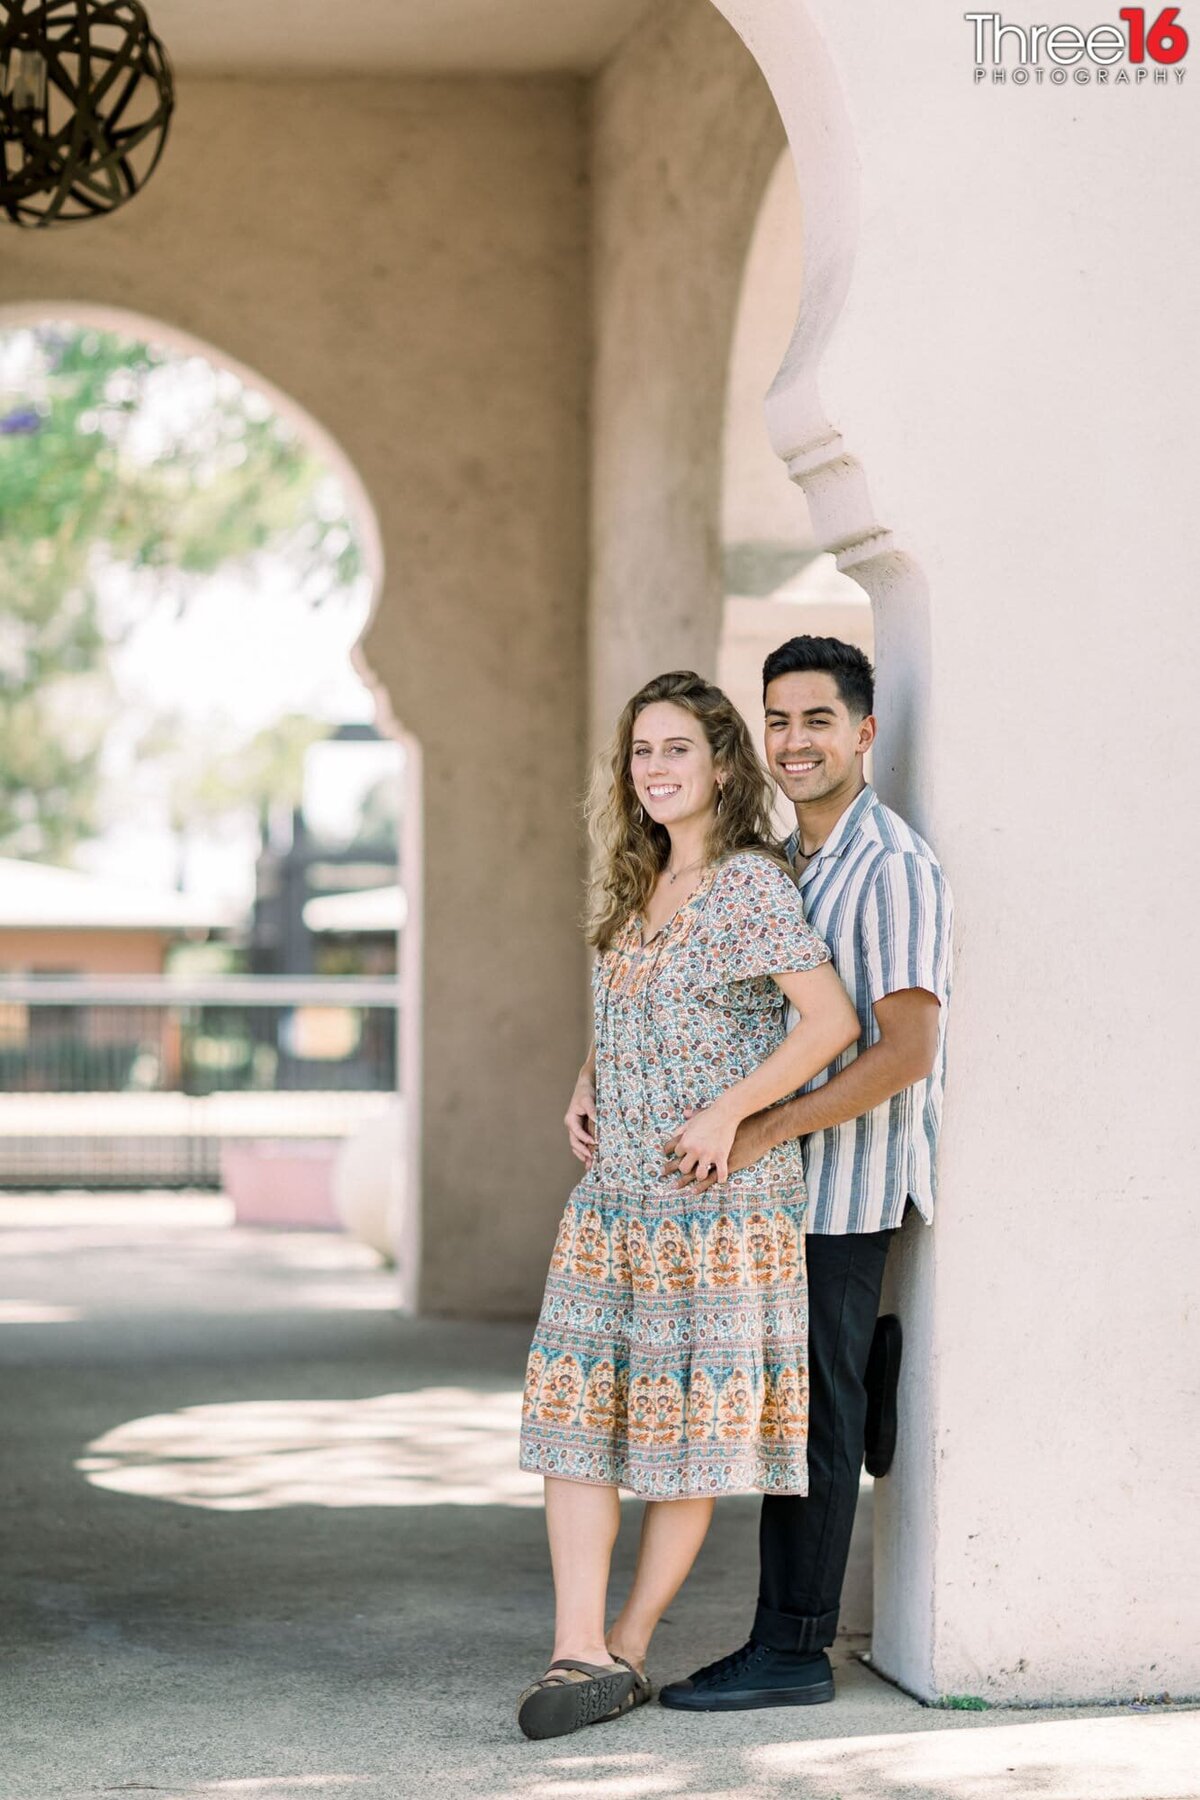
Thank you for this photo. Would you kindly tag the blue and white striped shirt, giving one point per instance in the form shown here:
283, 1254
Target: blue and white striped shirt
877, 895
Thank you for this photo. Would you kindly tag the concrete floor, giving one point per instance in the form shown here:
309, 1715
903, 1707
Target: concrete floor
265, 1540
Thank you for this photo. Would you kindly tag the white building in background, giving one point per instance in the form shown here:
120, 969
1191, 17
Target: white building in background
377, 909
62, 921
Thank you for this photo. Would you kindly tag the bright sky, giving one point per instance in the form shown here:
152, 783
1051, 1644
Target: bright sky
250, 652
238, 658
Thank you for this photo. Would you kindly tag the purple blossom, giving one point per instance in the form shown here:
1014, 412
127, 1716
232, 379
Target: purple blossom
23, 421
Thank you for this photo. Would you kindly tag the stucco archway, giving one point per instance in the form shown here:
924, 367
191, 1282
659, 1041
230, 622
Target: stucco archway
686, 136
162, 334
778, 582
804, 85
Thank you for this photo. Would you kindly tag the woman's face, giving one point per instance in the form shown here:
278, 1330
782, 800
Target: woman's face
672, 766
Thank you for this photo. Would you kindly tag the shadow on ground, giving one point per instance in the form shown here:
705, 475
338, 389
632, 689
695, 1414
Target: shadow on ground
265, 1539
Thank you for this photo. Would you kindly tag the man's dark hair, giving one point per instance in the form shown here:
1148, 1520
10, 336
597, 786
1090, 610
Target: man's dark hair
850, 669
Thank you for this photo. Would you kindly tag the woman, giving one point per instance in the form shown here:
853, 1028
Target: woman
669, 1357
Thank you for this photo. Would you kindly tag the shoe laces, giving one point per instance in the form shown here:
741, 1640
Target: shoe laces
728, 1668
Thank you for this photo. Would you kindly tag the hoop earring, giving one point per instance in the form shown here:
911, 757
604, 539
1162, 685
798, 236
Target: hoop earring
641, 814
720, 798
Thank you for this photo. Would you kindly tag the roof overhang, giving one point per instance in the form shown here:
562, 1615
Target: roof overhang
381, 37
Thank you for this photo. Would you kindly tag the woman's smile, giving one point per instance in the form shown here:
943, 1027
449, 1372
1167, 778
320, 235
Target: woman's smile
671, 762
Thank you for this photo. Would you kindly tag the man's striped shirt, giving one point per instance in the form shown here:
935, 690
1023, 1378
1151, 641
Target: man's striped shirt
877, 895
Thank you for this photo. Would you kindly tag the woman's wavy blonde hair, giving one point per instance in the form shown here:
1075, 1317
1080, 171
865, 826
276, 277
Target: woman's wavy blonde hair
631, 850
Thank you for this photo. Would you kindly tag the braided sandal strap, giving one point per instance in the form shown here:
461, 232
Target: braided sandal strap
563, 1673
587, 1669
643, 1687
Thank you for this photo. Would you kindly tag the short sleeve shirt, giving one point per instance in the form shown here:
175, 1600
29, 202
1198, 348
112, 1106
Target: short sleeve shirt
876, 894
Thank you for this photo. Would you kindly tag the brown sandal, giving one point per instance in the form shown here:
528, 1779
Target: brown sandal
572, 1694
642, 1689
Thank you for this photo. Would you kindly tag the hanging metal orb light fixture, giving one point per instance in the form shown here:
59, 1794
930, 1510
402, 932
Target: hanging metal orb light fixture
86, 95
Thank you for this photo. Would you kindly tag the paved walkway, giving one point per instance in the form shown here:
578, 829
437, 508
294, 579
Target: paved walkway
265, 1541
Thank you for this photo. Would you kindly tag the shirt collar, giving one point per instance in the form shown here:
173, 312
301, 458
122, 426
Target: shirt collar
843, 833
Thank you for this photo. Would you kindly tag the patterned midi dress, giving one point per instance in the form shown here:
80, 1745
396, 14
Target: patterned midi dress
670, 1354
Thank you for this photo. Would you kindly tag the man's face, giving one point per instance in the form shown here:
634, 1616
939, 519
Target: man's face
813, 742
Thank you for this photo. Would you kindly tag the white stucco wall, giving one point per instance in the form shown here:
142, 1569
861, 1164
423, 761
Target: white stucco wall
1015, 372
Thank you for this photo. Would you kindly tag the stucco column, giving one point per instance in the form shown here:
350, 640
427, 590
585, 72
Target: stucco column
997, 451
684, 138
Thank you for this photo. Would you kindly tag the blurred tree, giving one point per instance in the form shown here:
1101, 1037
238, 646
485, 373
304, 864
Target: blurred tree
119, 455
378, 825
215, 777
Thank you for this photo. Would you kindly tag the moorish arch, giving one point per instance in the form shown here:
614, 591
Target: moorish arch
686, 137
828, 469
143, 328
778, 582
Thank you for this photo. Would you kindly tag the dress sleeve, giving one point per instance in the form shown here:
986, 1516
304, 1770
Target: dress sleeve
907, 924
760, 928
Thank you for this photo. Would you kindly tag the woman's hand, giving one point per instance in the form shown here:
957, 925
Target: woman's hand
702, 1147
581, 1118
751, 1142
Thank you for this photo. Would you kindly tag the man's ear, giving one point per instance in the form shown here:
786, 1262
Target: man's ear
866, 734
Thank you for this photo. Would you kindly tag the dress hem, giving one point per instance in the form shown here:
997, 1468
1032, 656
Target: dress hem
530, 1467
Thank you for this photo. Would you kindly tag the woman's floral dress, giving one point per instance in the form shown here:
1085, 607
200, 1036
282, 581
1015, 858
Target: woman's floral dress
670, 1355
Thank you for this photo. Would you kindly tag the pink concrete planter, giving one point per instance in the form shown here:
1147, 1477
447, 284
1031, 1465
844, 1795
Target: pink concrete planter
281, 1181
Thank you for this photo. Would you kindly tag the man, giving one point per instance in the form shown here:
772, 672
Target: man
876, 893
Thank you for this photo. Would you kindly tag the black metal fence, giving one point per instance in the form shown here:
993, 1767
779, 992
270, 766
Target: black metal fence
131, 1081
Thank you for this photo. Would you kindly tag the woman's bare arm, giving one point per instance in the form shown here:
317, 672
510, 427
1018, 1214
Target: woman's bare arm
580, 1119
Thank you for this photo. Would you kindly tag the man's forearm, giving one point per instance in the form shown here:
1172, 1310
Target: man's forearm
873, 1077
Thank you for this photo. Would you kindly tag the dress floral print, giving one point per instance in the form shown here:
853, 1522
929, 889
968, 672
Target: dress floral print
670, 1354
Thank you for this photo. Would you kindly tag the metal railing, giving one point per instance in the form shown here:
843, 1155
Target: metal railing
115, 1081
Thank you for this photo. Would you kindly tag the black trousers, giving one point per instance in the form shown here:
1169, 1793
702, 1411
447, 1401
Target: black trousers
804, 1542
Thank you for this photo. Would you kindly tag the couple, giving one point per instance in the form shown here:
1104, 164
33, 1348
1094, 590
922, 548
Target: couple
760, 1105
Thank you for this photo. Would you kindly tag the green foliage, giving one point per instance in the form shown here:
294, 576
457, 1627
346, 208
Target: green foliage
964, 1703
121, 462
214, 774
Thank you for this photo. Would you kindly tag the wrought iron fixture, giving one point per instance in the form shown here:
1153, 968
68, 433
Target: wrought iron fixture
86, 96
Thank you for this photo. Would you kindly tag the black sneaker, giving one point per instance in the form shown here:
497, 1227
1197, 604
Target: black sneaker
754, 1676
